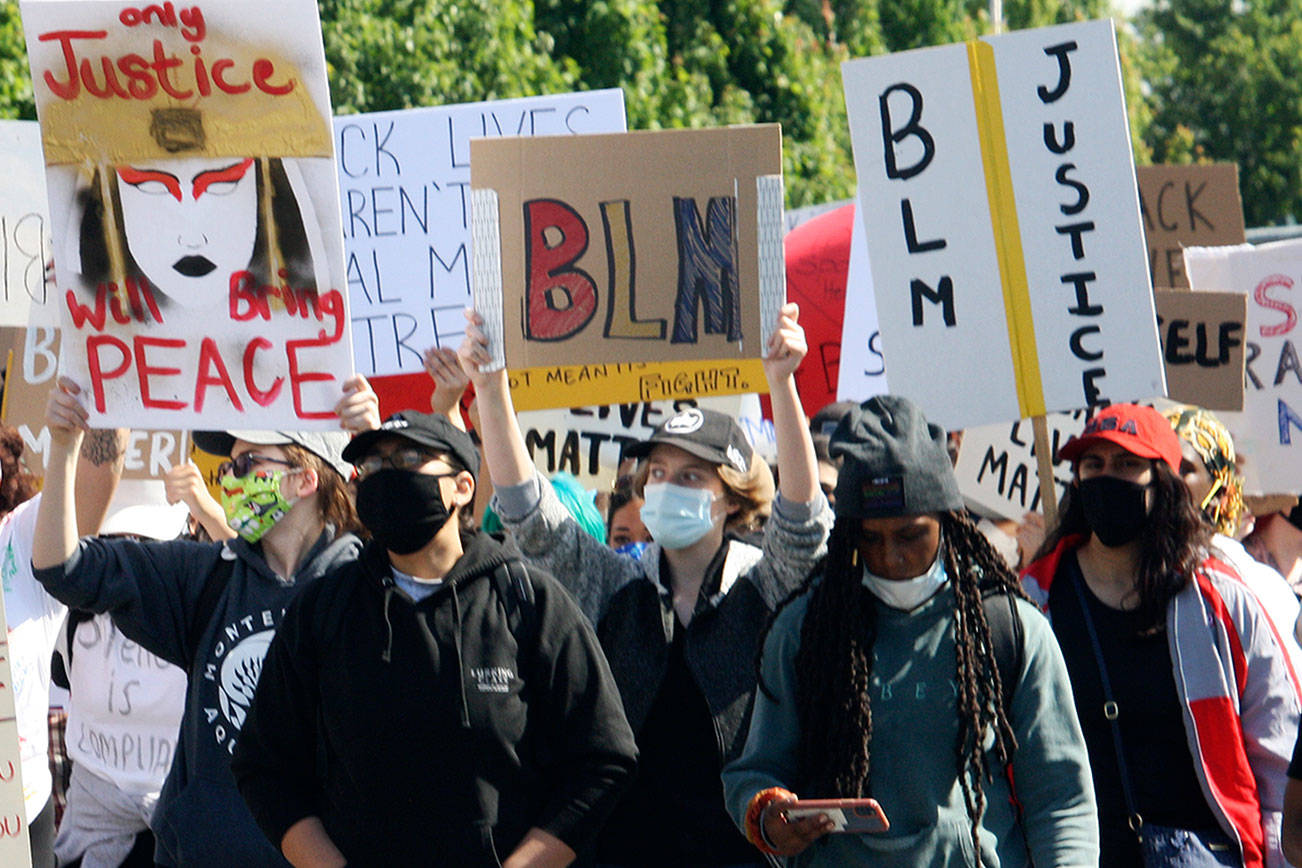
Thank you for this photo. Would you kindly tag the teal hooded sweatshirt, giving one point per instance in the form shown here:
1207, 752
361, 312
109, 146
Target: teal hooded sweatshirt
913, 769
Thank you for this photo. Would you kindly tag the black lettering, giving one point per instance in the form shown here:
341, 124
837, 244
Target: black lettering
1087, 379
911, 232
1082, 192
943, 295
891, 137
1254, 350
1176, 341
1063, 145
1080, 281
1076, 230
1078, 348
1059, 51
1191, 196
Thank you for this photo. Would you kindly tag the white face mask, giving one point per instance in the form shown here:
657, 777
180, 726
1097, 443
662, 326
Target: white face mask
677, 516
908, 594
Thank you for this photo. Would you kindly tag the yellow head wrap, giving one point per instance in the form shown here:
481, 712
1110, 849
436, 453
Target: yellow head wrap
1214, 445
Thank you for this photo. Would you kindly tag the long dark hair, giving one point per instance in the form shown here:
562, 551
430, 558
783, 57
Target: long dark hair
18, 484
834, 665
1172, 544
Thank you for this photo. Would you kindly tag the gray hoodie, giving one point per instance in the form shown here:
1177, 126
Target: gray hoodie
153, 591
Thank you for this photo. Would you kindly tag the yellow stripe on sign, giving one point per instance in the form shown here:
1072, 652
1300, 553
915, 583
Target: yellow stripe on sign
1007, 231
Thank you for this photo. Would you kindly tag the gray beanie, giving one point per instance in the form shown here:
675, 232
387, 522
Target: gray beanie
896, 462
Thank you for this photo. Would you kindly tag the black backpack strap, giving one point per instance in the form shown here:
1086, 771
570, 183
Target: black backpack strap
516, 592
61, 661
1007, 641
206, 606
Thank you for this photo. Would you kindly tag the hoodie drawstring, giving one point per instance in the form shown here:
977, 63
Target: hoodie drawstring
461, 672
388, 646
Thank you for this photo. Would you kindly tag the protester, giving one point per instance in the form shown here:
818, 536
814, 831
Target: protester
1276, 540
624, 525
210, 608
124, 708
908, 669
681, 624
1209, 470
34, 617
404, 716
1161, 639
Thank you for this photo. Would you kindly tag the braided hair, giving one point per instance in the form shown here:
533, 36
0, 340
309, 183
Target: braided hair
834, 664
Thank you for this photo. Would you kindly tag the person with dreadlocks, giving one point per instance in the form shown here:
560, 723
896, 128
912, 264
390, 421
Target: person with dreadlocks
1186, 697
910, 669
1210, 469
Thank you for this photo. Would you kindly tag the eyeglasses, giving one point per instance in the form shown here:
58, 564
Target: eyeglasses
399, 459
244, 464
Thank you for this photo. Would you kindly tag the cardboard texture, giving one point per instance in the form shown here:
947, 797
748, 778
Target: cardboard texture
30, 376
1187, 206
1202, 346
624, 250
1269, 430
15, 849
195, 211
997, 189
996, 467
404, 187
24, 224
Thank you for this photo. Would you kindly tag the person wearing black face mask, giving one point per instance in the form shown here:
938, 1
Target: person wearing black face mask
436, 700
1184, 692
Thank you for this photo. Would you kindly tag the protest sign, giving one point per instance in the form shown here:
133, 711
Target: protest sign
30, 374
24, 226
863, 363
15, 850
1202, 346
587, 441
818, 256
198, 252
996, 468
998, 195
630, 267
1269, 430
404, 187
1187, 206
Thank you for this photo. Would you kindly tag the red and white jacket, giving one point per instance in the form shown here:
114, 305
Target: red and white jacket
1240, 694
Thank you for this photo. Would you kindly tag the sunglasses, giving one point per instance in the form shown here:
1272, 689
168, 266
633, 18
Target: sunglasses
243, 465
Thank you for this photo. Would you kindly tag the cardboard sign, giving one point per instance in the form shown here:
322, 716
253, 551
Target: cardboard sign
15, 848
863, 361
1187, 206
198, 252
611, 252
998, 194
1269, 431
32, 368
1202, 346
996, 467
405, 191
24, 225
587, 441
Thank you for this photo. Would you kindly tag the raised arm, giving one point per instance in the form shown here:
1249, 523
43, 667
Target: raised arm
184, 484
797, 463
503, 446
450, 381
57, 519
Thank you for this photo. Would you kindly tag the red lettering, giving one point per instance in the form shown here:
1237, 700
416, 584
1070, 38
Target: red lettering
259, 397
140, 81
81, 314
11, 829
264, 69
200, 73
1290, 314
70, 88
210, 358
560, 299
97, 372
163, 63
7, 776
243, 289
219, 76
144, 371
111, 85
297, 378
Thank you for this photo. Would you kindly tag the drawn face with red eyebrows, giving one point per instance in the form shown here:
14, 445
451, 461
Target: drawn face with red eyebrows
190, 223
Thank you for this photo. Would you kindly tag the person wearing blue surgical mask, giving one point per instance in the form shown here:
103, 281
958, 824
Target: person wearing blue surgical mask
680, 623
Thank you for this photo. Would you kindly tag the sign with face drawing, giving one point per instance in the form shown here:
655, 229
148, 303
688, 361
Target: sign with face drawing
194, 207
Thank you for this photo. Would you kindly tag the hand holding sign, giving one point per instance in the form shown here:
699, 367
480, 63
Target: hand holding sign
65, 416
450, 380
786, 347
359, 408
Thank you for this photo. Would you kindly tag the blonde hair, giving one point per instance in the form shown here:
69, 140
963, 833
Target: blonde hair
752, 492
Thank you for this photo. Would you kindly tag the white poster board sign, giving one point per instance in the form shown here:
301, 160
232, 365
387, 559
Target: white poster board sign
24, 224
863, 362
1269, 431
998, 194
996, 467
14, 847
195, 211
405, 193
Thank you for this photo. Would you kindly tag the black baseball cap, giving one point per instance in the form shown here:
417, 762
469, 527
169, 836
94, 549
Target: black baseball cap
707, 434
431, 430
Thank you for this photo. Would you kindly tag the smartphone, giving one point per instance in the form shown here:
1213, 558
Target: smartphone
847, 815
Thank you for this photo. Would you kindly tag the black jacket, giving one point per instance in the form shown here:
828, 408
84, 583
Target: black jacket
425, 733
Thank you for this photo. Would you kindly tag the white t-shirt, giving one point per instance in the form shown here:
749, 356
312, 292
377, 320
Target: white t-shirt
34, 621
125, 709
417, 588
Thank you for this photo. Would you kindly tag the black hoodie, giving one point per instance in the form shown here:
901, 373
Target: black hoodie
422, 733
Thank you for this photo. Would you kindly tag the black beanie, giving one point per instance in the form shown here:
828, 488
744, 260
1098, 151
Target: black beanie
896, 462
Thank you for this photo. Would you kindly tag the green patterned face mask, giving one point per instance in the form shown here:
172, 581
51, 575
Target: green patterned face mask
253, 503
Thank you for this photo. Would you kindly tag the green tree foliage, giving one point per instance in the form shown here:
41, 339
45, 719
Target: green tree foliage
1225, 83
15, 80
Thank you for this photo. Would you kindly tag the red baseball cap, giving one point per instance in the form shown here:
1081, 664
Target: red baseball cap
1140, 430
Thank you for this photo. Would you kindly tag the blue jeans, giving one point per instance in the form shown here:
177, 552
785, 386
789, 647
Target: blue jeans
1166, 847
